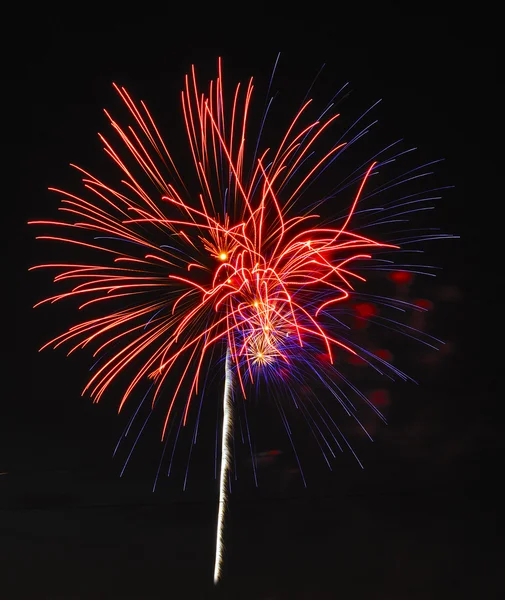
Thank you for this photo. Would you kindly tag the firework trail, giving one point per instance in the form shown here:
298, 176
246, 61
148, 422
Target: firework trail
225, 463
172, 275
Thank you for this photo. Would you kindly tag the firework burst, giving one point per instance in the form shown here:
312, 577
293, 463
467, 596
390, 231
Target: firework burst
241, 266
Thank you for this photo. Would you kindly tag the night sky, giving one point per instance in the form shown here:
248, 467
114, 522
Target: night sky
418, 522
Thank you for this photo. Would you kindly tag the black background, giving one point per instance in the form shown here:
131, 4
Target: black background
418, 522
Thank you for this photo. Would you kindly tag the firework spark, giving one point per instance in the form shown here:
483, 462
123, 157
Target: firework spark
175, 274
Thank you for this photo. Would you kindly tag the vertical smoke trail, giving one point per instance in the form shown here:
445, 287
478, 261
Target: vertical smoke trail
225, 464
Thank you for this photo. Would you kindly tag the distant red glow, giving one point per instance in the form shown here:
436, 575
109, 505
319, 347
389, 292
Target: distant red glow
401, 277
384, 354
366, 310
423, 303
379, 398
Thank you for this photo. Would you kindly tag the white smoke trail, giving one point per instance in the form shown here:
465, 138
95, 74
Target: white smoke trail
225, 464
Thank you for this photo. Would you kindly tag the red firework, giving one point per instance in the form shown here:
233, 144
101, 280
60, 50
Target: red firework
239, 262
